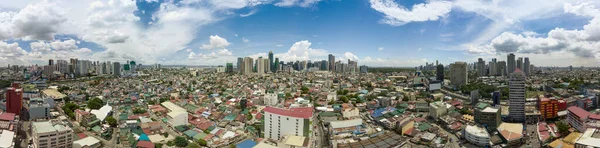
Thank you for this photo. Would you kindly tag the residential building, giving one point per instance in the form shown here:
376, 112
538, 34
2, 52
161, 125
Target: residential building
49, 135
38, 109
481, 70
364, 69
240, 64
548, 108
271, 99
526, 66
577, 118
176, 115
589, 139
477, 135
295, 121
351, 113
520, 63
437, 109
14, 99
247, 67
117, 69
487, 116
501, 68
516, 86
331, 62
87, 142
458, 74
331, 96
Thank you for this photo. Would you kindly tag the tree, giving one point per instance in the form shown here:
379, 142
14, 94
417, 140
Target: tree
111, 121
304, 89
193, 145
563, 128
232, 146
66, 99
158, 145
139, 111
171, 143
180, 141
69, 109
202, 142
165, 134
243, 104
344, 99
95, 103
249, 117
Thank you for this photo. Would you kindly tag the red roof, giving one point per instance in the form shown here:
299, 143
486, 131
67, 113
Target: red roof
595, 116
304, 113
542, 127
81, 135
145, 144
579, 112
7, 116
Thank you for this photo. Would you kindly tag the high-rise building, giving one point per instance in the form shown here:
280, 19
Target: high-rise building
492, 68
132, 65
475, 97
501, 68
247, 68
487, 115
276, 65
548, 108
331, 62
526, 65
240, 63
50, 62
117, 69
47, 134
260, 65
364, 69
496, 98
520, 63
458, 74
439, 72
510, 64
267, 66
229, 67
516, 87
278, 121
481, 67
270, 67
14, 99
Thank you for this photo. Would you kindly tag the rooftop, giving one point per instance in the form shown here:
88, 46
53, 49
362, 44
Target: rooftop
88, 141
297, 141
304, 113
346, 123
477, 131
578, 112
490, 110
46, 127
590, 138
173, 107
511, 131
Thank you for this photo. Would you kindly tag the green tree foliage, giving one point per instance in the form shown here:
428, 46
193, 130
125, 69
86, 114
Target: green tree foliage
139, 111
95, 103
202, 142
563, 128
344, 99
249, 117
484, 89
180, 141
170, 143
111, 121
158, 145
466, 111
5, 83
304, 90
69, 109
193, 145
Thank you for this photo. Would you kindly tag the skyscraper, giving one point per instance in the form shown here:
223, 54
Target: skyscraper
50, 62
458, 74
520, 63
526, 67
260, 65
266, 67
247, 68
510, 64
501, 68
14, 99
276, 65
516, 87
271, 62
117, 69
439, 72
240, 63
229, 68
481, 67
492, 68
331, 62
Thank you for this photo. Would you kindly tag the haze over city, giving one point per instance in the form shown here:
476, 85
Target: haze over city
376, 32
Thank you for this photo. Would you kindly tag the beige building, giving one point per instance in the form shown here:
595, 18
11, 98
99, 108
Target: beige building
458, 74
48, 135
351, 113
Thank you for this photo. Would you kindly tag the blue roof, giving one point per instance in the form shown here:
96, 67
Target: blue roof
246, 144
190, 133
144, 137
380, 111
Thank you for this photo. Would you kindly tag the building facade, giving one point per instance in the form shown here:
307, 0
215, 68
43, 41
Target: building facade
458, 74
14, 99
50, 135
516, 86
477, 135
510, 63
548, 108
279, 122
577, 117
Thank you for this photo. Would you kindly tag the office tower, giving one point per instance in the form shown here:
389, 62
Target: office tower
229, 67
14, 98
324, 65
248, 65
109, 68
271, 59
48, 71
526, 67
510, 64
117, 69
516, 86
63, 66
132, 66
487, 116
364, 69
496, 98
331, 62
51, 135
104, 69
520, 63
279, 122
266, 67
481, 67
501, 68
240, 63
50, 62
475, 97
439, 72
260, 65
494, 60
276, 67
492, 68
458, 74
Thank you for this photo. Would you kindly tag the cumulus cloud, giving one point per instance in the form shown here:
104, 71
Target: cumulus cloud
215, 42
350, 56
6, 24
224, 52
67, 45
301, 50
37, 21
397, 15
582, 43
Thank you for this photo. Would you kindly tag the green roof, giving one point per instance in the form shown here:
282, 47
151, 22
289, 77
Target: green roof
482, 105
181, 128
97, 129
328, 114
403, 105
137, 131
200, 136
190, 107
190, 133
424, 126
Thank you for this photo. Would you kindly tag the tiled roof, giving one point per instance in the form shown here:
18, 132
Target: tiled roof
293, 112
578, 112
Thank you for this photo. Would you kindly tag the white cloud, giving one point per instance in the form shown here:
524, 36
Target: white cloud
224, 52
67, 45
245, 40
37, 21
397, 15
279, 45
188, 50
215, 42
252, 12
301, 3
6, 24
380, 48
419, 49
301, 50
350, 56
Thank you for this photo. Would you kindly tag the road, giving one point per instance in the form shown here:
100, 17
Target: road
318, 134
532, 138
454, 143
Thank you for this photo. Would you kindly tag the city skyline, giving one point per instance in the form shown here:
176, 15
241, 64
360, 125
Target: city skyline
386, 33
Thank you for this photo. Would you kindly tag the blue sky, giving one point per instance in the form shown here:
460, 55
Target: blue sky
399, 33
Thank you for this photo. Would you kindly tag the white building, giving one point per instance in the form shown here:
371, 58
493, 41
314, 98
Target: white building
6, 139
221, 69
271, 99
351, 113
516, 96
102, 112
87, 142
281, 122
589, 139
177, 115
437, 109
477, 135
332, 96
47, 135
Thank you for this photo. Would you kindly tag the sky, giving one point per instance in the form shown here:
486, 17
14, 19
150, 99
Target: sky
397, 33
